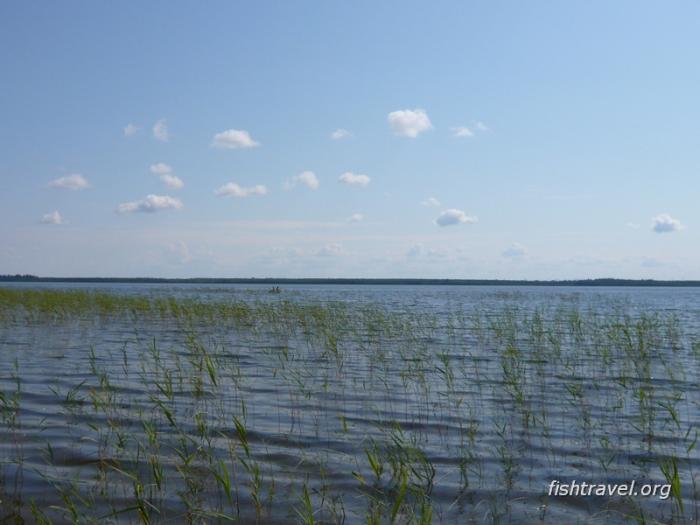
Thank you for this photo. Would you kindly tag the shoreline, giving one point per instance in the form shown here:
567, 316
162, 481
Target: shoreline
603, 282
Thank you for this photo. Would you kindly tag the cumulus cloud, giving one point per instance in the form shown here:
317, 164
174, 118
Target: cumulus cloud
172, 181
664, 223
166, 175
461, 132
130, 130
468, 132
514, 251
633, 225
161, 168
151, 204
160, 130
232, 189
52, 218
234, 139
340, 133
354, 179
430, 202
70, 182
330, 250
409, 122
356, 217
305, 178
452, 216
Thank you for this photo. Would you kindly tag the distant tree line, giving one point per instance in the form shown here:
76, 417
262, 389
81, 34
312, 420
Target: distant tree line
19, 277
283, 281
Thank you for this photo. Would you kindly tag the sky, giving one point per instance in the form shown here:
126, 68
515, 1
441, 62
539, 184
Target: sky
481, 139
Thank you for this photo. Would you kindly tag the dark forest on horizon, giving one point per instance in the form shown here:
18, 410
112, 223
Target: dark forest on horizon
349, 281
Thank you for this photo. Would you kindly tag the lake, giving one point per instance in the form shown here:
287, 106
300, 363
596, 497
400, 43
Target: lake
139, 403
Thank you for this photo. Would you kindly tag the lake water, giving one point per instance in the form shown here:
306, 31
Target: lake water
349, 404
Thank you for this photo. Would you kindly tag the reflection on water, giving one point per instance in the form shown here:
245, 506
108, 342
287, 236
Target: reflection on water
346, 404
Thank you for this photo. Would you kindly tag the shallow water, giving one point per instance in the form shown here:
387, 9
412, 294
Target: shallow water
477, 397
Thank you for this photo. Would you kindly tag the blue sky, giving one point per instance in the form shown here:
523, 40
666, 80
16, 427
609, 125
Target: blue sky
497, 139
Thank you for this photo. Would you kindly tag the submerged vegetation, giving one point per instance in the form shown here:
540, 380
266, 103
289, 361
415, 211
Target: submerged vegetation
273, 408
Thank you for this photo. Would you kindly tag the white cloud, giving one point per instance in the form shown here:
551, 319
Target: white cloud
409, 122
305, 178
232, 189
468, 132
234, 139
160, 130
356, 217
354, 179
70, 182
52, 218
664, 223
453, 216
341, 133
166, 175
172, 181
633, 225
151, 204
330, 250
461, 132
430, 202
514, 251
130, 130
161, 168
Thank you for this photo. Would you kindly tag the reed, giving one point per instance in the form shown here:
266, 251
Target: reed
268, 408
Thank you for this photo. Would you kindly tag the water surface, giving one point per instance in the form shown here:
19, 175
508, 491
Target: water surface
459, 403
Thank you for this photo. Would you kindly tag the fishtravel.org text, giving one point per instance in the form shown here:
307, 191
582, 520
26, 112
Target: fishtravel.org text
583, 488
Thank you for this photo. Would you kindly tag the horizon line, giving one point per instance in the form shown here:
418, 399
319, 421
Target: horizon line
599, 281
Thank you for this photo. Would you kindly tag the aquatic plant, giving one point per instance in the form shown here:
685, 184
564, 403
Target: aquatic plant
271, 407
